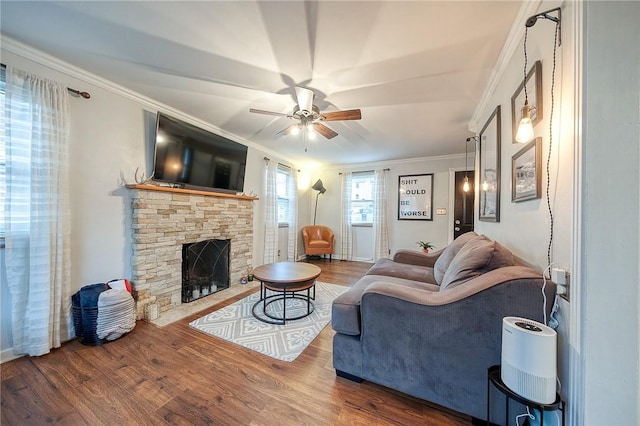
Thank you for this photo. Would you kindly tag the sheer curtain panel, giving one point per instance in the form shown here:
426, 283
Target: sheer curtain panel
271, 214
347, 231
292, 191
36, 113
380, 228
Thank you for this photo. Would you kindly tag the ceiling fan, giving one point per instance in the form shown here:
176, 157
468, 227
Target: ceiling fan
309, 117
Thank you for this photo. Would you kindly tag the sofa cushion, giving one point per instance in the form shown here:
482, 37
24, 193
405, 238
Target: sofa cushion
442, 264
390, 268
345, 309
477, 256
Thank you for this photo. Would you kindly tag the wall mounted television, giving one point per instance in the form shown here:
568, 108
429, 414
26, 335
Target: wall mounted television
190, 157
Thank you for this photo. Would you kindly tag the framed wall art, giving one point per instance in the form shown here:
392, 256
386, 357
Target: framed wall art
415, 197
526, 172
534, 95
489, 178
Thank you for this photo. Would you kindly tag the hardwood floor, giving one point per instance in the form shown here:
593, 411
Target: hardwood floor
179, 376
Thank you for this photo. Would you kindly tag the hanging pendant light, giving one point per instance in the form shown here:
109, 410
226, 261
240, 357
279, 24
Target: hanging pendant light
465, 186
525, 128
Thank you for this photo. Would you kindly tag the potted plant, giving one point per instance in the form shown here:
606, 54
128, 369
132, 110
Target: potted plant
426, 245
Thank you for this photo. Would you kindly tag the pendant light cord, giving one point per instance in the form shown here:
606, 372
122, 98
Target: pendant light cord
553, 83
526, 60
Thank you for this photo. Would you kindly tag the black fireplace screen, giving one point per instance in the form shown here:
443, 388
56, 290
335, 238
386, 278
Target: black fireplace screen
205, 268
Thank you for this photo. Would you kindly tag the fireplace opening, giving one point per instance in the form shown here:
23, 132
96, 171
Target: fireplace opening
205, 268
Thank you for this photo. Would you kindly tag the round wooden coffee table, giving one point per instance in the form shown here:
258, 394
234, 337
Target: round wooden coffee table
288, 280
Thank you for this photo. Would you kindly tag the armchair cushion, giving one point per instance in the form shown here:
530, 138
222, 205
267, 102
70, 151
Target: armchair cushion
479, 255
442, 264
318, 239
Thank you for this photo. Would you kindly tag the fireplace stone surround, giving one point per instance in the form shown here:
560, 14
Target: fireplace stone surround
163, 219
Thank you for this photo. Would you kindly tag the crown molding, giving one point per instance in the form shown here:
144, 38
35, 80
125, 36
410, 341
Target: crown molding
387, 163
512, 42
35, 55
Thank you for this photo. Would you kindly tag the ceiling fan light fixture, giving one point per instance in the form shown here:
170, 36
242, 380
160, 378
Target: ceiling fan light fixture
309, 117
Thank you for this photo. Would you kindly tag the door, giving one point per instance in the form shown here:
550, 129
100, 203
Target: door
463, 205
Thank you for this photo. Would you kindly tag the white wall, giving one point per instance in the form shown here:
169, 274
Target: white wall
108, 141
609, 353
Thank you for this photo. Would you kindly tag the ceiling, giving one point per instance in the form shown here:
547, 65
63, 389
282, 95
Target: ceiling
417, 69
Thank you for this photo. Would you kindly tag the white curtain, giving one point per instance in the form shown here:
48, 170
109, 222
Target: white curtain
347, 232
37, 220
380, 228
271, 215
292, 194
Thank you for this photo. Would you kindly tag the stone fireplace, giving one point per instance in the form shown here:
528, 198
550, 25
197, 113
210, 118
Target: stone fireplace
164, 220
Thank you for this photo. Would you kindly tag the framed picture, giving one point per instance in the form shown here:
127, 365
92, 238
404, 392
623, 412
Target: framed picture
489, 179
526, 172
534, 95
415, 197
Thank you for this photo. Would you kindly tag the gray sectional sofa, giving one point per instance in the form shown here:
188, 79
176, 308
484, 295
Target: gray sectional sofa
430, 325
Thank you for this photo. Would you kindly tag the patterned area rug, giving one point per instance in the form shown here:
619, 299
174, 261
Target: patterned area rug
237, 324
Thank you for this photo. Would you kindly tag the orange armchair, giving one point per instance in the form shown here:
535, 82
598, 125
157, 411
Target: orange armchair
318, 239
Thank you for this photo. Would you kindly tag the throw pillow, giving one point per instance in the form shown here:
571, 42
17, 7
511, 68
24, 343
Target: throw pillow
476, 257
442, 264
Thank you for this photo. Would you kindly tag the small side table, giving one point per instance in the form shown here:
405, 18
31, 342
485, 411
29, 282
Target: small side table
495, 379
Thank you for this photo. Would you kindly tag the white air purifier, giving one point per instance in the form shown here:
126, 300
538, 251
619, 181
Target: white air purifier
529, 359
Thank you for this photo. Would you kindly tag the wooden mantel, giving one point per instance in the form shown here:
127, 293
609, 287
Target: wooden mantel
147, 187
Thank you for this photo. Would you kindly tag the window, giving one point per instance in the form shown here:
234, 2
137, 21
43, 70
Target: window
362, 205
3, 175
283, 177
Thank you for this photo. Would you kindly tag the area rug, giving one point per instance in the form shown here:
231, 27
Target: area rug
236, 323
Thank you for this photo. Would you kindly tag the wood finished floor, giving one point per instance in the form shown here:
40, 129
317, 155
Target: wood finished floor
179, 376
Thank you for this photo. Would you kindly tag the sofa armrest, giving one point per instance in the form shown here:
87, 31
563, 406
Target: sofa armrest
414, 257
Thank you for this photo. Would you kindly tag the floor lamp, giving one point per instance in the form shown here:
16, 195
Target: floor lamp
318, 186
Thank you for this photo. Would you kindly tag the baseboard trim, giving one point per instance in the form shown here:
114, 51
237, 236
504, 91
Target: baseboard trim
8, 355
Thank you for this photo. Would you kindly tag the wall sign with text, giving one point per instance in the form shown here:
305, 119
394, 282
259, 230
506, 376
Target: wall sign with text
415, 197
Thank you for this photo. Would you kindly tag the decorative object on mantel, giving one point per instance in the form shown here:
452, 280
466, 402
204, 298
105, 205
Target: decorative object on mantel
426, 245
143, 180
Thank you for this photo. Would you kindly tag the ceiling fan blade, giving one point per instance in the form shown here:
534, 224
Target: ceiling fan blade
287, 131
305, 98
351, 114
261, 111
324, 130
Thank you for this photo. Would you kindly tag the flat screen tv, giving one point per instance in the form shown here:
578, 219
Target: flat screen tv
191, 157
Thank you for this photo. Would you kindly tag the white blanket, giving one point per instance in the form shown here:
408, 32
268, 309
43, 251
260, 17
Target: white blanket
116, 314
